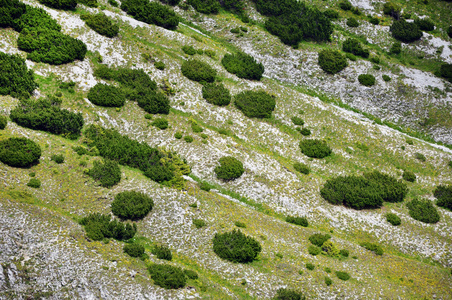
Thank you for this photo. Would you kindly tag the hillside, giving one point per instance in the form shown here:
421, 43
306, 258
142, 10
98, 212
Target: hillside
392, 127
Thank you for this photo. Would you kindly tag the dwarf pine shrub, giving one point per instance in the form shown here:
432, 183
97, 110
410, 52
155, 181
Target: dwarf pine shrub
393, 219
151, 13
318, 239
255, 104
366, 79
302, 221
230, 168
216, 94
3, 122
288, 294
405, 32
34, 183
167, 276
101, 24
15, 78
409, 176
342, 275
354, 46
372, 247
302, 168
236, 246
423, 210
106, 95
243, 65
98, 227
19, 152
332, 61
134, 249
444, 195
162, 252
131, 205
315, 148
107, 173
197, 70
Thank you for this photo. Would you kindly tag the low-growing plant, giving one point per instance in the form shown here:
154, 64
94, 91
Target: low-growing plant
160, 65
188, 139
301, 221
199, 223
331, 14
178, 135
240, 224
405, 31
107, 173
160, 123
98, 227
354, 46
106, 95
230, 168
332, 61
19, 152
189, 49
3, 122
101, 24
302, 168
386, 78
344, 252
288, 294
58, 158
366, 79
243, 65
167, 276
393, 219
310, 266
423, 210
195, 127
372, 247
131, 205
236, 247
15, 78
191, 274
34, 183
197, 70
449, 31
297, 121
419, 156
235, 30
345, 5
304, 131
216, 94
151, 13
425, 24
374, 20
330, 249
60, 4
318, 239
409, 176
446, 71
352, 22
134, 249
342, 275
328, 281
255, 104
315, 148
162, 252
314, 250
444, 195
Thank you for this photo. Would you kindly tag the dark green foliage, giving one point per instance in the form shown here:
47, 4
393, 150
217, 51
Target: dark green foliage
199, 223
151, 13
345, 5
188, 139
34, 183
331, 14
162, 252
446, 71
160, 123
131, 205
409, 176
374, 20
425, 24
354, 46
191, 274
60, 4
297, 121
393, 219
396, 48
404, 31
160, 65
107, 173
189, 50
205, 6
342, 275
304, 131
444, 195
198, 71
386, 78
114, 146
235, 30
392, 10
89, 3
167, 276
314, 250
134, 249
332, 61
236, 246
101, 24
449, 31
19, 152
106, 95
302, 221
328, 281
372, 247
351, 56
302, 168
243, 65
288, 294
315, 148
352, 22
35, 18
310, 266
423, 210
98, 227
178, 135
255, 104
15, 79
195, 127
366, 79
318, 239
10, 10
3, 122
391, 189
344, 252
229, 168
216, 94
59, 159
46, 115
205, 186
420, 156
49, 46
240, 224
170, 2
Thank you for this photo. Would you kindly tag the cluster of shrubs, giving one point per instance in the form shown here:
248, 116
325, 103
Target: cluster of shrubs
367, 191
293, 21
99, 227
190, 50
405, 31
107, 173
332, 61
101, 24
151, 13
236, 246
342, 275
213, 6
60, 4
425, 24
106, 95
136, 85
372, 247
354, 46
114, 146
391, 9
160, 123
199, 71
243, 65
352, 22
315, 148
45, 114
216, 94
15, 79
255, 104
199, 223
230, 168
366, 79
423, 210
131, 205
409, 176
444, 196
301, 221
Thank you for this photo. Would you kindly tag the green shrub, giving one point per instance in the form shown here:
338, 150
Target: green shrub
366, 79
50, 46
210, 53
11, 10
444, 195
216, 94
449, 31
167, 276
205, 6
393, 219
310, 266
423, 210
240, 224
391, 9
318, 239
106, 95
345, 5
288, 294
344, 252
19, 152
420, 156
374, 20
60, 4
372, 247
351, 56
107, 173
89, 3
160, 65
199, 223
354, 46
191, 274
230, 168
446, 71
195, 127
205, 186
189, 50
331, 14
243, 65
328, 281
409, 176
3, 122
396, 48
235, 30
15, 79
352, 22
330, 249
332, 61
197, 70
162, 252
178, 135
314, 250
59, 159
151, 13
297, 121
315, 148
161, 123
98, 227
236, 247
35, 18
131, 205
302, 168
134, 249
391, 189
404, 31
342, 275
46, 115
170, 2
386, 78
425, 24
304, 131
188, 139
34, 183
255, 104
101, 24
302, 221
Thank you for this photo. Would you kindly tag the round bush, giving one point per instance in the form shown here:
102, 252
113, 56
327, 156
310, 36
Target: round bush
328, 281
345, 5
366, 79
255, 104
409, 176
288, 294
446, 71
160, 65
34, 183
189, 50
304, 131
342, 275
229, 168
106, 95
352, 22
330, 249
444, 196
59, 159
310, 266
302, 221
162, 252
354, 46
160, 123
243, 65
297, 121
236, 247
167, 276
302, 168
425, 24
386, 78
404, 31
315, 148
374, 20
393, 219
216, 94
19, 152
101, 24
344, 252
396, 48
188, 139
314, 250
134, 249
191, 274
332, 61
131, 205
3, 122
107, 173
35, 18
423, 210
391, 9
178, 135
375, 248
318, 239
154, 102
205, 6
198, 71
